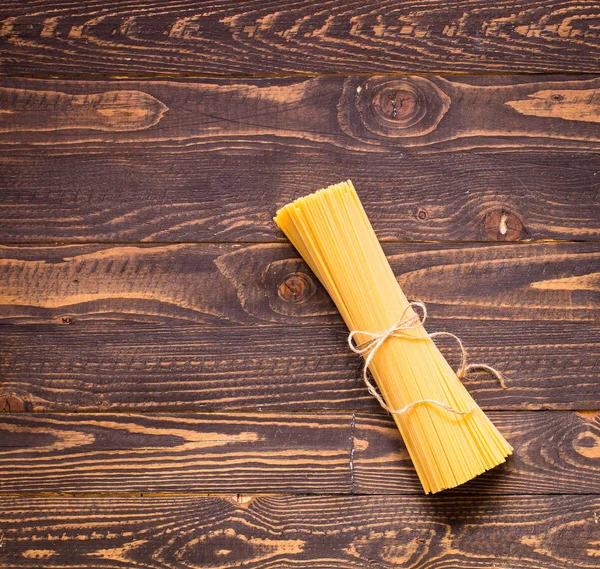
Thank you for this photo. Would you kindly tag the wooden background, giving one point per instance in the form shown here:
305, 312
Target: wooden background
175, 386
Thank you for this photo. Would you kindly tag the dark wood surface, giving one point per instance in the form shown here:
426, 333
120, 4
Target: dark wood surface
229, 326
175, 386
78, 194
250, 36
349, 532
208, 160
191, 367
319, 453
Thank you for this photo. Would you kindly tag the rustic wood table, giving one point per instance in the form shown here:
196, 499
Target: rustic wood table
175, 386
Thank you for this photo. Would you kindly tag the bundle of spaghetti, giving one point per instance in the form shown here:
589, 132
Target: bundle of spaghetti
449, 438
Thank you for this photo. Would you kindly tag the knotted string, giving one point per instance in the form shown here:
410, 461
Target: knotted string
369, 348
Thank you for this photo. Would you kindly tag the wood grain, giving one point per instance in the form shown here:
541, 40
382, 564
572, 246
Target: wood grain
107, 366
275, 453
269, 283
230, 194
553, 451
224, 357
202, 326
520, 532
369, 114
257, 37
213, 160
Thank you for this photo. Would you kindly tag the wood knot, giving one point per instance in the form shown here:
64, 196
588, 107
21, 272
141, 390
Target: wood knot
244, 500
397, 104
422, 214
66, 320
587, 444
400, 107
501, 225
13, 404
296, 288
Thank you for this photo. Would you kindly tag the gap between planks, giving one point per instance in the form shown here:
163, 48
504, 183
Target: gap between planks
283, 241
453, 492
263, 411
152, 76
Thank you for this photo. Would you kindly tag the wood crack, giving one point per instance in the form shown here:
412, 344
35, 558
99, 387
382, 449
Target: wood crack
352, 451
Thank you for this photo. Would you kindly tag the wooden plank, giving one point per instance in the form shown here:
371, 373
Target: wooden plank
275, 453
528, 532
230, 284
553, 452
175, 453
95, 366
370, 114
257, 37
213, 160
230, 194
200, 326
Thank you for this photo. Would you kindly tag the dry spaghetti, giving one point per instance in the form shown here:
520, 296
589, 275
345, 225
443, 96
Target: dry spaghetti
449, 438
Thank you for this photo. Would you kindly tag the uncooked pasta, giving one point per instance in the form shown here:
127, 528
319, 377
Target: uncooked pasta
449, 438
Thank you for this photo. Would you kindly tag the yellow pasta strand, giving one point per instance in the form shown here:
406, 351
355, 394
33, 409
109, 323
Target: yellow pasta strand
331, 231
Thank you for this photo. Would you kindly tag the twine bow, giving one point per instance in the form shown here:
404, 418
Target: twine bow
369, 348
